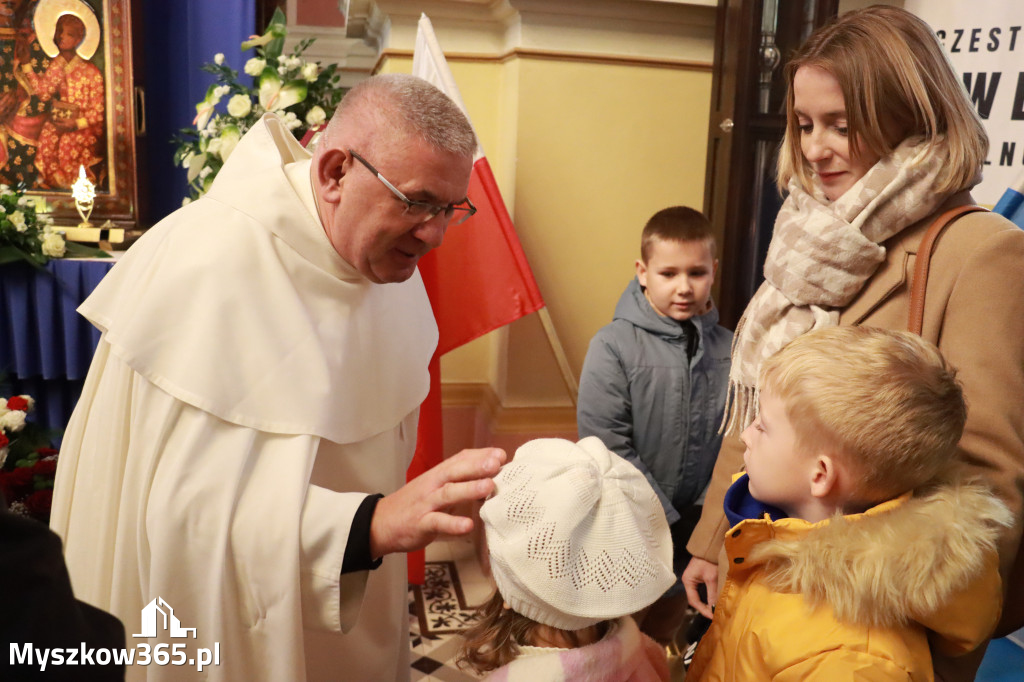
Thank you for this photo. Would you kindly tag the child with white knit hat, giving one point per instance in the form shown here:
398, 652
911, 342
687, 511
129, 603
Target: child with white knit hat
578, 541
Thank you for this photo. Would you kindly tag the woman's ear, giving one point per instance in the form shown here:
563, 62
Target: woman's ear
329, 169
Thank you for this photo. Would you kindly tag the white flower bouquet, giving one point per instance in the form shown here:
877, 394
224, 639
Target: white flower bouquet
302, 92
28, 234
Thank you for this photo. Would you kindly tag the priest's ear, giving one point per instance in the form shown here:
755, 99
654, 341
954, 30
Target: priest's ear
329, 167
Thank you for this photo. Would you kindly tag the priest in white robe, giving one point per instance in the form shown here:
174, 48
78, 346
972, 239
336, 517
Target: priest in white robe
264, 352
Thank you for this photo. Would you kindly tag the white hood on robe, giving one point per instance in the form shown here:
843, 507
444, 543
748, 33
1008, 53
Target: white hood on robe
297, 342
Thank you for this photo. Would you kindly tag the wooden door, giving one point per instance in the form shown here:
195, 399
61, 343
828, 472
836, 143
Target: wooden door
748, 118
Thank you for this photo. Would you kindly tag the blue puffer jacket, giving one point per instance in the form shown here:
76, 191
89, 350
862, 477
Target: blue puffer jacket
641, 397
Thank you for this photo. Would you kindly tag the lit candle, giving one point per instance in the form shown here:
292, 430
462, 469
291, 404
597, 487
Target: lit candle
84, 193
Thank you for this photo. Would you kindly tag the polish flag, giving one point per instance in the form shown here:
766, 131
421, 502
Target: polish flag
477, 281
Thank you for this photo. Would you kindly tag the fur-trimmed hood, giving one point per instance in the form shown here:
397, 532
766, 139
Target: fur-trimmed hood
909, 559
876, 593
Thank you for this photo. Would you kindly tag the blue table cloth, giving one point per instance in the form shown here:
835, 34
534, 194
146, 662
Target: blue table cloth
45, 345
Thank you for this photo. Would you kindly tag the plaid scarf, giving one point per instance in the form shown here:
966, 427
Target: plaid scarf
820, 256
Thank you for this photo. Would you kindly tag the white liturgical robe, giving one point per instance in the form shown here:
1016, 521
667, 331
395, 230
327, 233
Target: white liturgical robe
249, 390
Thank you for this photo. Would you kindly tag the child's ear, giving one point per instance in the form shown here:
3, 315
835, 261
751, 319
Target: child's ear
641, 272
714, 270
824, 476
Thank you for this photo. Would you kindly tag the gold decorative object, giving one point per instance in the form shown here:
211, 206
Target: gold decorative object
45, 20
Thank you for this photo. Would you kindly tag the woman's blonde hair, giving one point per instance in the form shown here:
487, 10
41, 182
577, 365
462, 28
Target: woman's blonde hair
897, 84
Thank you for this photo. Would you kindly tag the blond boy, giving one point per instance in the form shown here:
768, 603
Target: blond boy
851, 536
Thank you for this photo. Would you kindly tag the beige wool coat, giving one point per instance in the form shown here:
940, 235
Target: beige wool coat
974, 313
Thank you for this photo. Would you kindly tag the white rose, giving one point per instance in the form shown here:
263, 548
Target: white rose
53, 245
310, 70
218, 58
13, 421
255, 66
18, 220
239, 106
214, 146
316, 116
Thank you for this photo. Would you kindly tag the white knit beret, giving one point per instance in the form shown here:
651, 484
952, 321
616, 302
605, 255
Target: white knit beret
576, 534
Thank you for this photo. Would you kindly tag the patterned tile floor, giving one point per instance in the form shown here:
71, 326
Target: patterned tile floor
443, 607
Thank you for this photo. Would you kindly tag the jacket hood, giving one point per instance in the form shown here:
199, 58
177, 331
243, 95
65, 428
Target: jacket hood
634, 308
928, 558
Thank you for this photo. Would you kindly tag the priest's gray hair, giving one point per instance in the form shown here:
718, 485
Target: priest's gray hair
405, 104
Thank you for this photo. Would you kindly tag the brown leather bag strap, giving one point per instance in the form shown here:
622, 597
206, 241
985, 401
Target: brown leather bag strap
924, 257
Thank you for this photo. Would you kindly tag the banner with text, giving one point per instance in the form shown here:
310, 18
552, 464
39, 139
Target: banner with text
985, 43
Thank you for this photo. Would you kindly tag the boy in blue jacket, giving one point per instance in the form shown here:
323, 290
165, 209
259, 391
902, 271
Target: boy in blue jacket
654, 383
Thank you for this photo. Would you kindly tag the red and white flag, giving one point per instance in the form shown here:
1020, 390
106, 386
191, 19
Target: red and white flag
477, 281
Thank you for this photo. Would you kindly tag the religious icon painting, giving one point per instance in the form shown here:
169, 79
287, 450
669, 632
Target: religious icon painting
66, 104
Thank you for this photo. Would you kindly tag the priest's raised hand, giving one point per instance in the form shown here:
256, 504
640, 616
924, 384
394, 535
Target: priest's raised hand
413, 516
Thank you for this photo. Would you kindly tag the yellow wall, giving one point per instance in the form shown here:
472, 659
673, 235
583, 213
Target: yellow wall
584, 151
601, 148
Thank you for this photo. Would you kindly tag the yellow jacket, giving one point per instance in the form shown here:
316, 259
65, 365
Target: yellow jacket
852, 598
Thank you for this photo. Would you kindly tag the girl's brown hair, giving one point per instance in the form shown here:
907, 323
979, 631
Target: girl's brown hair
897, 84
495, 639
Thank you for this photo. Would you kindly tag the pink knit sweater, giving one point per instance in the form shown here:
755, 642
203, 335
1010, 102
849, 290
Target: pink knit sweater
622, 655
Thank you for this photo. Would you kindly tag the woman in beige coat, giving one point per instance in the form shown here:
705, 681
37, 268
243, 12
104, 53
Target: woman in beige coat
881, 139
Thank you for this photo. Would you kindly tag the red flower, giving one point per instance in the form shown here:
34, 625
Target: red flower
45, 467
16, 402
15, 483
38, 504
46, 452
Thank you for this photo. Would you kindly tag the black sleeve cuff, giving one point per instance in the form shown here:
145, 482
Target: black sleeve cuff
357, 552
